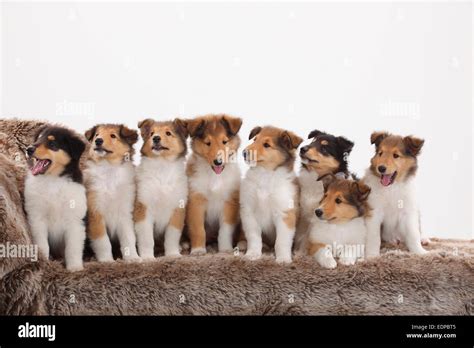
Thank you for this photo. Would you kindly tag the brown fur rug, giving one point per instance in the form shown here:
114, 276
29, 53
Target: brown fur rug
395, 283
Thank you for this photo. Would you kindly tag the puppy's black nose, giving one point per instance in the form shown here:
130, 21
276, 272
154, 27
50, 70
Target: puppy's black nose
304, 149
156, 139
99, 141
218, 162
382, 169
318, 212
30, 150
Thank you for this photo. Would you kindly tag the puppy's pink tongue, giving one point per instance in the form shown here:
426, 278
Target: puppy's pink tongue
218, 169
38, 167
386, 179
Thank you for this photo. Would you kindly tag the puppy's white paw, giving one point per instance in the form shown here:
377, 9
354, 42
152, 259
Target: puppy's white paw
347, 261
242, 245
252, 255
283, 259
174, 254
420, 251
198, 251
75, 267
425, 241
325, 258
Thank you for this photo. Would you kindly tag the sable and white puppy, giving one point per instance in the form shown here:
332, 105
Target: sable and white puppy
326, 154
162, 186
214, 182
55, 198
269, 192
110, 183
338, 228
391, 177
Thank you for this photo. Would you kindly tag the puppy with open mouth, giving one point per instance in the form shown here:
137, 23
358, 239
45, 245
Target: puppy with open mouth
326, 154
212, 213
269, 192
110, 183
338, 228
55, 197
391, 177
162, 186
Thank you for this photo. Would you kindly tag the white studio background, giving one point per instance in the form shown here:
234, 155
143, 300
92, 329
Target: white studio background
345, 68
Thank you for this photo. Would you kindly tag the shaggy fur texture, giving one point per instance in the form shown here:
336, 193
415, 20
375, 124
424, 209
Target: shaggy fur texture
441, 282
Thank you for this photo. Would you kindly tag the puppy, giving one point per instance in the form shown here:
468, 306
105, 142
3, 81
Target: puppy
162, 186
391, 177
338, 228
110, 184
326, 154
55, 198
214, 182
269, 192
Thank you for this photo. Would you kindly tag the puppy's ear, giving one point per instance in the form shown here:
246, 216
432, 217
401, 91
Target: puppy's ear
254, 132
145, 127
377, 137
180, 127
129, 135
38, 132
76, 147
89, 134
345, 144
413, 145
231, 124
314, 134
290, 140
327, 180
196, 127
360, 190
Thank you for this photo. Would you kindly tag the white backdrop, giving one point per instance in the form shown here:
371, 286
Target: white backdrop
346, 68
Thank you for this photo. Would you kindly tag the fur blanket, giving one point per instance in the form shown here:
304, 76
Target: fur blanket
395, 283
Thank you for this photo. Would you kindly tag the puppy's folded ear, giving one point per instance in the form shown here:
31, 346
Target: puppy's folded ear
377, 137
129, 135
231, 124
180, 127
38, 132
413, 145
89, 134
196, 127
327, 180
314, 134
145, 127
346, 144
76, 147
290, 140
254, 132
360, 190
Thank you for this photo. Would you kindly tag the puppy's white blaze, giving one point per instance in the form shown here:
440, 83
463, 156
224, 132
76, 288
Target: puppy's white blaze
55, 225
264, 198
114, 185
162, 187
399, 222
102, 248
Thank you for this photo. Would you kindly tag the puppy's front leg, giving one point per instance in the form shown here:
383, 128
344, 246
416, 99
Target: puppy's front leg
173, 232
144, 231
39, 232
195, 217
322, 253
373, 237
74, 246
127, 240
285, 233
412, 234
253, 234
97, 232
228, 222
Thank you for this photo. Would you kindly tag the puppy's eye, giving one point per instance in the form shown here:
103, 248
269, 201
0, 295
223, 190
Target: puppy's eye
52, 145
113, 136
267, 145
380, 153
338, 201
208, 143
225, 141
395, 155
152, 133
168, 133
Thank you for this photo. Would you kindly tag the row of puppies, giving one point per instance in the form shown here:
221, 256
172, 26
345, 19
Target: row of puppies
206, 195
